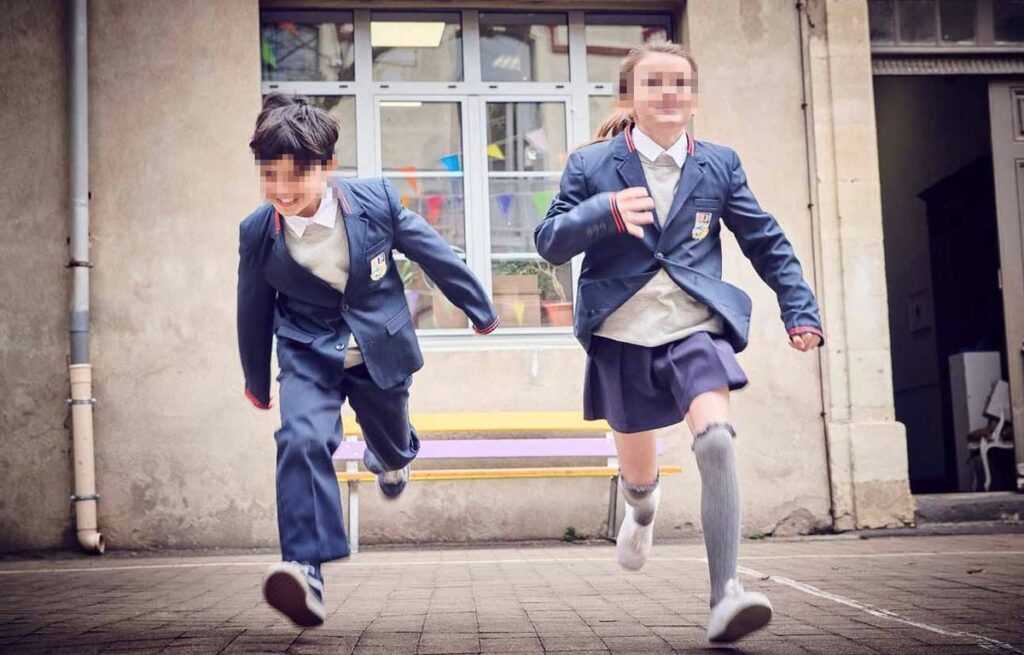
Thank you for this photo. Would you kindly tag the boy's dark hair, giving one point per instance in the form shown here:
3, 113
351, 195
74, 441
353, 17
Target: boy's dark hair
288, 125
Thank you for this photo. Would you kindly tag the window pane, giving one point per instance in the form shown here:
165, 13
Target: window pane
416, 47
880, 15
917, 21
421, 136
524, 47
517, 205
532, 293
1009, 21
957, 18
526, 136
440, 200
429, 308
343, 109
608, 44
600, 110
307, 46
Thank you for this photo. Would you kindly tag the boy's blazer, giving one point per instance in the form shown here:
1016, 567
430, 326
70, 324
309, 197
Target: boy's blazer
313, 321
712, 190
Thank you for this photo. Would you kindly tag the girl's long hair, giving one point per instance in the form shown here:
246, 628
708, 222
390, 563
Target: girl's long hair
620, 119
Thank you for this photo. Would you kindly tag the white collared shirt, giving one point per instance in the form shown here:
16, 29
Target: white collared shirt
651, 150
326, 214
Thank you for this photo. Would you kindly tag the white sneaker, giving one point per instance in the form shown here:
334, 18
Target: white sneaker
634, 542
296, 589
738, 613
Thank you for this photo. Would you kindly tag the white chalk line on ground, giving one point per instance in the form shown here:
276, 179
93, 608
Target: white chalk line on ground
980, 640
517, 560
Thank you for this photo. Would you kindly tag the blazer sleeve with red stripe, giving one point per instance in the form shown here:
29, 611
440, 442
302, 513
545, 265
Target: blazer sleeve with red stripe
422, 244
763, 242
576, 219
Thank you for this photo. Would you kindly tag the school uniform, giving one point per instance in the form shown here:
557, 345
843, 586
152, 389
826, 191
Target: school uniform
328, 289
659, 324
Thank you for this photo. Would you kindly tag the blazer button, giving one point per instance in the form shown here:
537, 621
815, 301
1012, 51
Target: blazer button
339, 346
344, 307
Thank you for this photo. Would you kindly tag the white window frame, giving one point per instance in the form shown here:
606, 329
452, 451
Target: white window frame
473, 93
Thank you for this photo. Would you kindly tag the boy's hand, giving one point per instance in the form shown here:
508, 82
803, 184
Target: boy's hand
635, 207
805, 342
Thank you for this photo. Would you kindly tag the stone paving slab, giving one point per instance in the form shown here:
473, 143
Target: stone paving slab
935, 595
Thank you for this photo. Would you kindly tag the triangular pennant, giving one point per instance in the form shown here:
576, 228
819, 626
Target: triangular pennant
541, 201
494, 151
451, 163
434, 204
505, 203
267, 54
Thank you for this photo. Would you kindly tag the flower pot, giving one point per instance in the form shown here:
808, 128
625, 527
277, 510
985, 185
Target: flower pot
558, 313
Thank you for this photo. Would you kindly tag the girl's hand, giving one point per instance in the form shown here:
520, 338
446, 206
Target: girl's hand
635, 206
805, 342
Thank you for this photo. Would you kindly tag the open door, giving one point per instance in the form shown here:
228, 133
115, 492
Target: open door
1006, 106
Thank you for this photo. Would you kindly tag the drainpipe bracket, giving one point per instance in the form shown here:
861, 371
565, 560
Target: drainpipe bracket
72, 263
83, 401
78, 499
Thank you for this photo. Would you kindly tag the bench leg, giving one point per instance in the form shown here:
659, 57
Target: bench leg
613, 492
353, 505
613, 504
353, 516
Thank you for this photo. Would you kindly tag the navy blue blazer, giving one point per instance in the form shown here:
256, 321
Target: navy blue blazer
583, 218
313, 321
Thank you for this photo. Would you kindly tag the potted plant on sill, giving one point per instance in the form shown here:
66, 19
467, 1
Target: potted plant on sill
559, 309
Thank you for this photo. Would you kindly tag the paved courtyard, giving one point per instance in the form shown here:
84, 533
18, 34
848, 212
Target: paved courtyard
906, 595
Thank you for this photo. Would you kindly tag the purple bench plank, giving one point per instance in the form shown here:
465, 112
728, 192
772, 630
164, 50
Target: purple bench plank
497, 448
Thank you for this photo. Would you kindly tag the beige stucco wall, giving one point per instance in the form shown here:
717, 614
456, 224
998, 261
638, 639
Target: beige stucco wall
182, 460
35, 480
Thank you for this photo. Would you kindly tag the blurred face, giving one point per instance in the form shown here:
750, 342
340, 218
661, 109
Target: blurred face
293, 191
664, 92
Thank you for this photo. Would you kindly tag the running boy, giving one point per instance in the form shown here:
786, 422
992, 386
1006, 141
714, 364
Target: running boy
646, 205
316, 271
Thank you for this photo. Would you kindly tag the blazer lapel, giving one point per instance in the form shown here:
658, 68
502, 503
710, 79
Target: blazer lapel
632, 173
693, 172
355, 230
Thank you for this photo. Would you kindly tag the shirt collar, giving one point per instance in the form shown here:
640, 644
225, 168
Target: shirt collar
326, 215
646, 146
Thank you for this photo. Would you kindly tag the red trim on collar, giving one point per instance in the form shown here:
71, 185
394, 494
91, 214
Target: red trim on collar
690, 144
277, 221
344, 201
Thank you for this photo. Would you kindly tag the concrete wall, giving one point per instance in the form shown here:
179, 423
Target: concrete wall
35, 480
913, 155
182, 460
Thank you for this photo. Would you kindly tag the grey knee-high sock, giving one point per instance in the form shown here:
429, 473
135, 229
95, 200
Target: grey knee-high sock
641, 499
719, 503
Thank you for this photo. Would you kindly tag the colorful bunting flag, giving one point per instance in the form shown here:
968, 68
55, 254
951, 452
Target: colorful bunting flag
541, 201
404, 200
434, 204
413, 182
267, 54
519, 309
452, 163
494, 151
538, 139
505, 203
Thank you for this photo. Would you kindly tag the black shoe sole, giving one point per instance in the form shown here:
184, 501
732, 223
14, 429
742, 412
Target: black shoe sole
287, 595
750, 619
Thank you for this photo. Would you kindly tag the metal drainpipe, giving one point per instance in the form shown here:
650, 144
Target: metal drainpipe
80, 370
